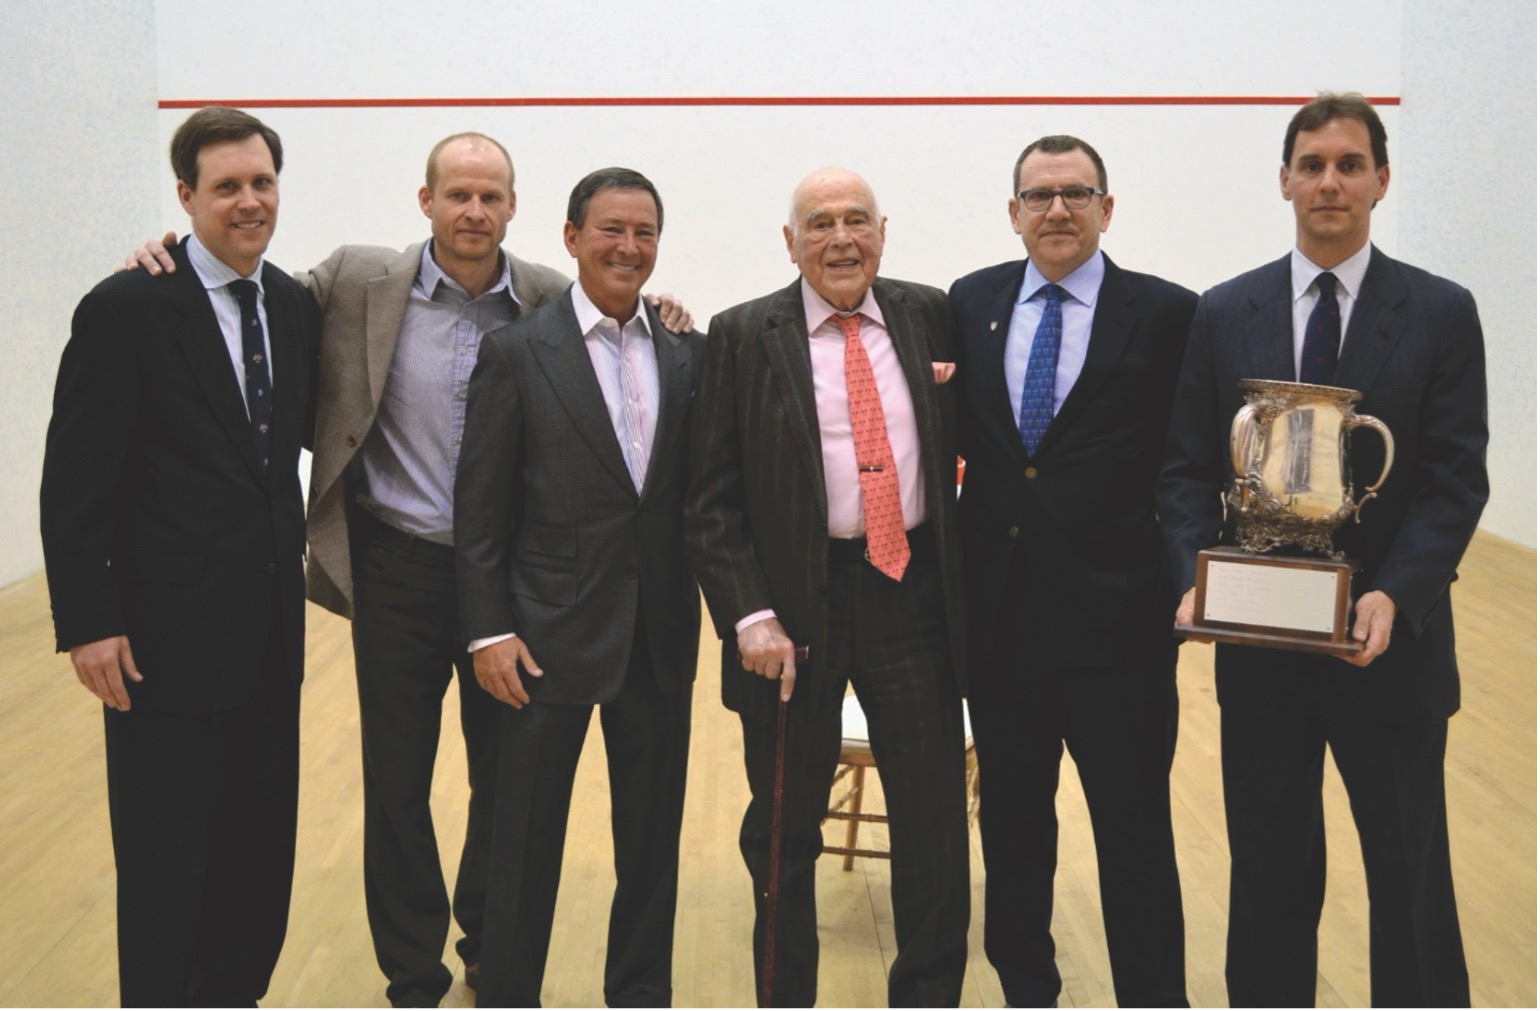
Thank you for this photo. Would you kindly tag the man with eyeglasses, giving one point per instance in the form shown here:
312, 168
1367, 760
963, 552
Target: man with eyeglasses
1068, 365
1337, 310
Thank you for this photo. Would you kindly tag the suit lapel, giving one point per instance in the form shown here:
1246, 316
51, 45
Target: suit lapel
674, 391
908, 333
385, 301
202, 344
784, 338
1374, 326
1112, 326
986, 365
1270, 345
570, 372
290, 376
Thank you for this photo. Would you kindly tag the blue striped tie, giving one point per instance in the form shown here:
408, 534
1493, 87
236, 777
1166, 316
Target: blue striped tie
1042, 364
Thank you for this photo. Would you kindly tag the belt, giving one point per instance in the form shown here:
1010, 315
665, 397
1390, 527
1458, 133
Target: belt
381, 534
851, 550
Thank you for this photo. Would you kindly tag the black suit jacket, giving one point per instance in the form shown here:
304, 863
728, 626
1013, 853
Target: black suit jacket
1413, 347
758, 524
1080, 511
157, 520
552, 540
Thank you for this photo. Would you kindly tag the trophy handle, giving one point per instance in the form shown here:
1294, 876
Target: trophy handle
1241, 433
1366, 421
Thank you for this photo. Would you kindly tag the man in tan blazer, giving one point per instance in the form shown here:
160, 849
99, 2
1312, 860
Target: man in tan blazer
401, 330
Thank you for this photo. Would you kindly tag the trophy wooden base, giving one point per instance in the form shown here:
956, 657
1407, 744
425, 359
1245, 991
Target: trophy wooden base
1276, 601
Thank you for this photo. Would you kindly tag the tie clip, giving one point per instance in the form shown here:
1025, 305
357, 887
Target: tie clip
869, 470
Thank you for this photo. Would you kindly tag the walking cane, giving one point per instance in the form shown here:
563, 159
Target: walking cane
773, 892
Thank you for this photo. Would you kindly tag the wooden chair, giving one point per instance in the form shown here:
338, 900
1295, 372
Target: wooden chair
855, 759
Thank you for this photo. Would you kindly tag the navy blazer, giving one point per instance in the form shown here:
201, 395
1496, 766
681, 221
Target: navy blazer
1413, 347
552, 540
158, 522
1080, 512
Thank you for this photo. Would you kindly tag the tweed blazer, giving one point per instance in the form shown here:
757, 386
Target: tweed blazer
363, 293
757, 516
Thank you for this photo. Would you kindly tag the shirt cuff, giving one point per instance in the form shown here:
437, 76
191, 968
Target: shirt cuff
754, 618
490, 641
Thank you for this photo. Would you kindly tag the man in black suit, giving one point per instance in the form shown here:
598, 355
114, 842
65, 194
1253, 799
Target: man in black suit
1068, 364
573, 588
1411, 343
788, 529
173, 530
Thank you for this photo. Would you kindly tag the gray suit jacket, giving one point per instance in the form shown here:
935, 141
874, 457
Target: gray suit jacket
363, 293
1413, 347
552, 539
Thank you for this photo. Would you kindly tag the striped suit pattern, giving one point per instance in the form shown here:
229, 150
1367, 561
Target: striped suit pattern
758, 531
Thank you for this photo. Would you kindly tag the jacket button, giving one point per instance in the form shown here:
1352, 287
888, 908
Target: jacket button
1012, 532
1031, 473
272, 568
352, 441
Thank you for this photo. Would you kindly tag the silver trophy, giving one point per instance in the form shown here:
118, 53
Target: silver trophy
1293, 481
1293, 487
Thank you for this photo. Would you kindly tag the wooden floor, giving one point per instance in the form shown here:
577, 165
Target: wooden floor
57, 892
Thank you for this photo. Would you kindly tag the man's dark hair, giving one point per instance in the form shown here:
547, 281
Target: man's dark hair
613, 178
217, 124
1060, 143
1328, 106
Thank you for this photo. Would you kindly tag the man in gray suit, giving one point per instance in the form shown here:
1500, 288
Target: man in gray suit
1336, 310
569, 547
401, 330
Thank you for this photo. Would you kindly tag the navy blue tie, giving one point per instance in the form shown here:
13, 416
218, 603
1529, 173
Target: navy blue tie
1042, 364
1323, 334
259, 387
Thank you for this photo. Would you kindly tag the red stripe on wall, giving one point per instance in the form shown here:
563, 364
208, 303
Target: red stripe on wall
748, 100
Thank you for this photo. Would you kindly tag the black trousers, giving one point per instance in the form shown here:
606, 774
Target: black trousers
1273, 752
888, 640
407, 647
203, 818
647, 744
1120, 725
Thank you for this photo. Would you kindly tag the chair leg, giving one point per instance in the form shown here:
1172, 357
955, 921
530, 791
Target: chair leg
857, 791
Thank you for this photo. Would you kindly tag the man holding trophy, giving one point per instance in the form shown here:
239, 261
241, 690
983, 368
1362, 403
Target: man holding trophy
1335, 326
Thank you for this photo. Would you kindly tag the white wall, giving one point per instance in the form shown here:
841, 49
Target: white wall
82, 175
1197, 198
1465, 159
1196, 189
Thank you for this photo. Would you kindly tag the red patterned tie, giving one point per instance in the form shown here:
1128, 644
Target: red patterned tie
887, 547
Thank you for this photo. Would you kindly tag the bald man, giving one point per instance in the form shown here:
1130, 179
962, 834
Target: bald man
818, 518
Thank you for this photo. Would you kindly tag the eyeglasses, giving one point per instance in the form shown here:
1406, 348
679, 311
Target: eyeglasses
1076, 198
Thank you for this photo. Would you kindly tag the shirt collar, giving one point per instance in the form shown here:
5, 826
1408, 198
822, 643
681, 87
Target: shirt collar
1083, 283
430, 274
1349, 273
214, 272
590, 315
816, 309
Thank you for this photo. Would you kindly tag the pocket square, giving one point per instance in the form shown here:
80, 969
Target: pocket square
943, 370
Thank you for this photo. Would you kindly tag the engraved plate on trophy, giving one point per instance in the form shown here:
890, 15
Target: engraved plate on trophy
1293, 488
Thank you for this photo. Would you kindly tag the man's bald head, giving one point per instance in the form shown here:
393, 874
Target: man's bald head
835, 234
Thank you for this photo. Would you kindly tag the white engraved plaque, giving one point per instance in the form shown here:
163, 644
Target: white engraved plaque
1269, 595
